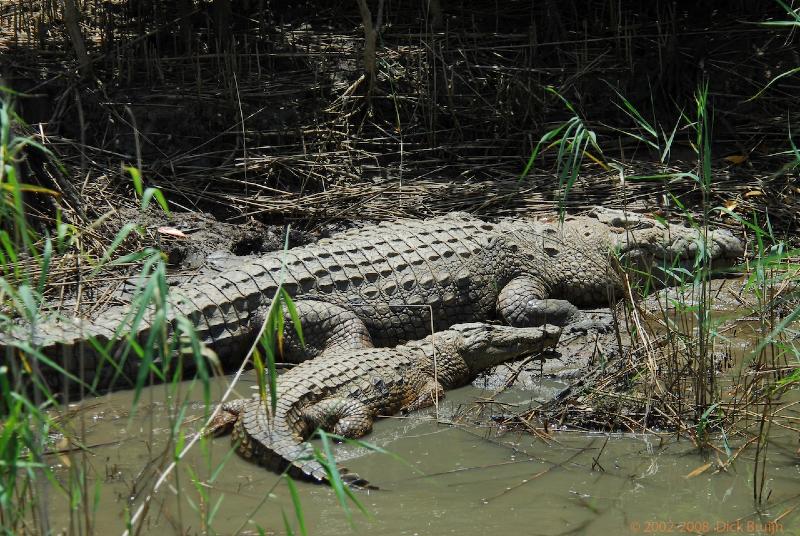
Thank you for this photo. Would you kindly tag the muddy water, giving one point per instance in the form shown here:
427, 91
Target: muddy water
460, 479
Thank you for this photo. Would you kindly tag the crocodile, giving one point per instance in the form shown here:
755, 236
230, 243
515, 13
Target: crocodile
344, 392
386, 284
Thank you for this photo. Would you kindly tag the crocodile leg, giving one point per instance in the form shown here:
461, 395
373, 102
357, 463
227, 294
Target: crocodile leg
429, 393
327, 328
520, 304
347, 417
223, 422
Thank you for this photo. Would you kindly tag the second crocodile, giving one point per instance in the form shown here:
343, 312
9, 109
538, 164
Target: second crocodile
344, 392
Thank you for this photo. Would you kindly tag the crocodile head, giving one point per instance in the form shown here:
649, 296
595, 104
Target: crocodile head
485, 345
645, 243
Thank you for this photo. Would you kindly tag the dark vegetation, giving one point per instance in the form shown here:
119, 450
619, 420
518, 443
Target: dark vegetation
264, 109
315, 114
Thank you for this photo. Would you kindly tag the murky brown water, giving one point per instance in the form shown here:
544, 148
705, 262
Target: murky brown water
477, 481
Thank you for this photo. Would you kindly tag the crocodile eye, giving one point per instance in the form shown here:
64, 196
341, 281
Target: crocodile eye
477, 336
551, 251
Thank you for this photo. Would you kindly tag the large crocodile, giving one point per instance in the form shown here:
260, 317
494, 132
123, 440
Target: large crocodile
344, 392
390, 283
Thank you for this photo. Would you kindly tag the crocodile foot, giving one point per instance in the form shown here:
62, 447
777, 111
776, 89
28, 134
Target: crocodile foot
354, 480
223, 421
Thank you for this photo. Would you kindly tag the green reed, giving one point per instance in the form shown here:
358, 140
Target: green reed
691, 373
32, 413
573, 140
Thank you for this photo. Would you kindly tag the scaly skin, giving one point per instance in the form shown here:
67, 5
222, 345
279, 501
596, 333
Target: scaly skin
378, 285
346, 391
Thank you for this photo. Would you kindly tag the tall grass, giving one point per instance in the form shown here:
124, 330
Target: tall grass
691, 368
33, 413
681, 379
26, 426
648, 132
573, 141
31, 409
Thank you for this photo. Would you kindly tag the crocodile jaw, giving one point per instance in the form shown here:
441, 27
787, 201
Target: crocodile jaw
674, 245
482, 346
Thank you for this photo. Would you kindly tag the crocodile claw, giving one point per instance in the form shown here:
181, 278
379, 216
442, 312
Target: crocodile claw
354, 480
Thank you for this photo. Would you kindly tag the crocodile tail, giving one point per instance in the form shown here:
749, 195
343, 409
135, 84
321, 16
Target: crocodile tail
304, 464
63, 357
312, 469
280, 442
